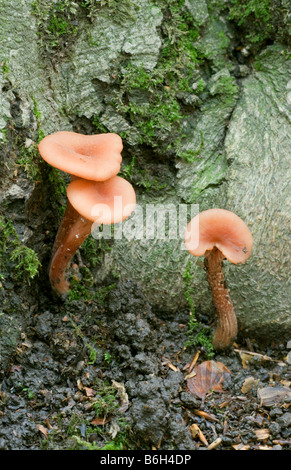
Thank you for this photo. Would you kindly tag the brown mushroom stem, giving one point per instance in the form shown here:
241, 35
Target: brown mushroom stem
69, 219
74, 230
226, 327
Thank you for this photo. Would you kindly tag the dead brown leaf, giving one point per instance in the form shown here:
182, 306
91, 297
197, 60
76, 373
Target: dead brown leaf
249, 384
248, 357
209, 377
215, 443
262, 434
99, 421
196, 432
167, 362
89, 392
241, 447
204, 414
282, 442
225, 403
122, 395
42, 429
190, 376
194, 361
269, 396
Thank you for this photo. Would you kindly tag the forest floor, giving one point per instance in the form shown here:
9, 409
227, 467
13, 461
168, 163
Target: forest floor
117, 375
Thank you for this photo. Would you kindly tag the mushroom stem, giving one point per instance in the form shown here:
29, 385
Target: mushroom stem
69, 219
73, 232
226, 327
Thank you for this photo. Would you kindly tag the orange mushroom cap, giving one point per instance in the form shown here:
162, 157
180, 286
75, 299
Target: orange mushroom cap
93, 157
222, 229
103, 202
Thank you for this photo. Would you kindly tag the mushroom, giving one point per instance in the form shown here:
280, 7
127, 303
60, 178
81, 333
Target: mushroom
92, 157
218, 234
106, 202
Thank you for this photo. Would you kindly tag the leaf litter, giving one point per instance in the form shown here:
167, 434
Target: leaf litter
51, 392
209, 376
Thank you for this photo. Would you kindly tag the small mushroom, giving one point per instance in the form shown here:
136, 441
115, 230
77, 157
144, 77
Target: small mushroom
106, 202
92, 157
218, 234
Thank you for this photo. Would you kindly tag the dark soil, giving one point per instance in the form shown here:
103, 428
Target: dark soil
67, 383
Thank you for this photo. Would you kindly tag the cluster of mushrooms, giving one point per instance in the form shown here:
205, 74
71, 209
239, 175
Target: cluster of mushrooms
95, 194
93, 163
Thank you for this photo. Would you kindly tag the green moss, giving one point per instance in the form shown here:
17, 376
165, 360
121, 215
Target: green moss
106, 402
93, 354
55, 178
38, 117
79, 290
224, 85
217, 6
127, 171
141, 178
107, 357
119, 11
55, 21
93, 250
59, 26
254, 18
199, 337
98, 125
16, 259
198, 334
70, 435
153, 101
134, 77
5, 67
3, 136
156, 115
162, 113
87, 291
58, 21
31, 161
26, 261
192, 155
29, 158
120, 442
